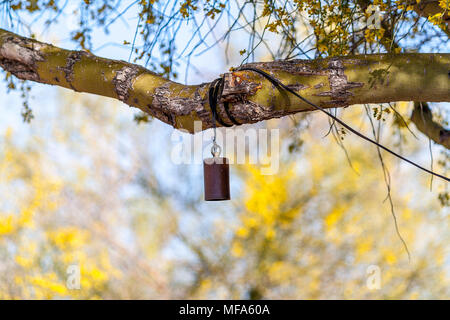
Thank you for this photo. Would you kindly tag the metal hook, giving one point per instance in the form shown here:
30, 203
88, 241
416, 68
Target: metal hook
215, 149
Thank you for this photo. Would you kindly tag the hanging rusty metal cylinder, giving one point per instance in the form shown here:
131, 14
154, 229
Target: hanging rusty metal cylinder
216, 174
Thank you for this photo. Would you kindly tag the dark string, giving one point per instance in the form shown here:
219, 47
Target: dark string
215, 93
213, 98
217, 87
225, 104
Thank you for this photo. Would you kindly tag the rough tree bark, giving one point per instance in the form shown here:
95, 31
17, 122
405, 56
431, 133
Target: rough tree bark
332, 82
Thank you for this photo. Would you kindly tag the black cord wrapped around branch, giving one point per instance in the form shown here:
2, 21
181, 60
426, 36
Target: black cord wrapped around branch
215, 93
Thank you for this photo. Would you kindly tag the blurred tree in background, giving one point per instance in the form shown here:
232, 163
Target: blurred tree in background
308, 232
82, 185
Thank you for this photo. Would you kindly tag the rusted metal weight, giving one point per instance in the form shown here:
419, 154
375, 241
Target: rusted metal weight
216, 173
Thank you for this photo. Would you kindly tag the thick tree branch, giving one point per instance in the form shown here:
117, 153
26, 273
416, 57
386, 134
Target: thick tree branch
332, 82
423, 119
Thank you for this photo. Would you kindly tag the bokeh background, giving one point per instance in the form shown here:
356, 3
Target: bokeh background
84, 184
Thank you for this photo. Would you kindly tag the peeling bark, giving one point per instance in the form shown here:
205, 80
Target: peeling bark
339, 84
19, 59
332, 82
72, 59
123, 81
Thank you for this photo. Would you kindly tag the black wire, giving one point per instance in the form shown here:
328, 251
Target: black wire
215, 89
279, 84
225, 104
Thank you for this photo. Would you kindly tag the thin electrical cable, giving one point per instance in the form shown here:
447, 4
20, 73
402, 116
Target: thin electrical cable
279, 84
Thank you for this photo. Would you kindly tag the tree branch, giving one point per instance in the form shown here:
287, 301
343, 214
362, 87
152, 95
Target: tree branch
331, 82
423, 119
